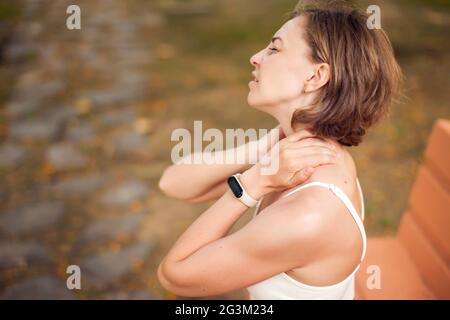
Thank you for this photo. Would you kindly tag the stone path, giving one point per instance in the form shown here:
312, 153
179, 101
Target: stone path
74, 121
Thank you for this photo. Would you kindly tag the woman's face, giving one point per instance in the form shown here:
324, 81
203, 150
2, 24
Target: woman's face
281, 68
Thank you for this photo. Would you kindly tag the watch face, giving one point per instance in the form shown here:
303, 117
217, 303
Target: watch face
235, 187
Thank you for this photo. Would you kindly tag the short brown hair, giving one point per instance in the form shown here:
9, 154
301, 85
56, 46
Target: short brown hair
364, 75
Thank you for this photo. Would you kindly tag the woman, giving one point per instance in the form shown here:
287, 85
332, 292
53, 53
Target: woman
326, 78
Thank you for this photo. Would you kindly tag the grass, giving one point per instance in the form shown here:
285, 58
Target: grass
9, 11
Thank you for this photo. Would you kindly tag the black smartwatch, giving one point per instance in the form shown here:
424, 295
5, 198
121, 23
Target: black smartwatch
239, 192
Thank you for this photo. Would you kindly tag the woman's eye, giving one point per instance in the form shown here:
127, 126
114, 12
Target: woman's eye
273, 50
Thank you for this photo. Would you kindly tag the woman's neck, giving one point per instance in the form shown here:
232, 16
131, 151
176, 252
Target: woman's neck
285, 124
284, 120
283, 113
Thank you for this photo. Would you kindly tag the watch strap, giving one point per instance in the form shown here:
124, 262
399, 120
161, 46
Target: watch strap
245, 198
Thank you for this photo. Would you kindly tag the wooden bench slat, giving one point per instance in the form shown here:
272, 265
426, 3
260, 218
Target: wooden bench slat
400, 278
437, 154
416, 263
430, 206
434, 271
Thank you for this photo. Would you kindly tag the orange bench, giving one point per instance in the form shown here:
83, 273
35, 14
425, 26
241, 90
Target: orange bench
415, 264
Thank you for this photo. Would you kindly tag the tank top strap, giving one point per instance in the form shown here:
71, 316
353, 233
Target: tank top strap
361, 197
347, 202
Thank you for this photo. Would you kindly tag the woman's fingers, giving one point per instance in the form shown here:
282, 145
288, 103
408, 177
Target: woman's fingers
301, 176
309, 157
302, 152
316, 159
310, 143
317, 150
299, 135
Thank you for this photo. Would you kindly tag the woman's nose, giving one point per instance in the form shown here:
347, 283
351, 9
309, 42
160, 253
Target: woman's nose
254, 60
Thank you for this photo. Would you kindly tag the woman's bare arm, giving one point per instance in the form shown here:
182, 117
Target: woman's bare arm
202, 182
204, 261
213, 194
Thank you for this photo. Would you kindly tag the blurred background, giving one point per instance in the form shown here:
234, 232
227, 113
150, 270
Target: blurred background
86, 117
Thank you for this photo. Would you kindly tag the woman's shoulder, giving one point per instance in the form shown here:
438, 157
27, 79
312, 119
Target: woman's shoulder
342, 174
315, 216
296, 202
319, 201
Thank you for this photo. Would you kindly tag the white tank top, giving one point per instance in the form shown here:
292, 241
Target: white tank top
283, 287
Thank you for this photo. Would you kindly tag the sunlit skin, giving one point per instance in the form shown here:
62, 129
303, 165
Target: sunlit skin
310, 235
285, 78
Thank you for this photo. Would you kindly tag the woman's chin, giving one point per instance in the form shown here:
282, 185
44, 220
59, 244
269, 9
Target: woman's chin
256, 101
251, 101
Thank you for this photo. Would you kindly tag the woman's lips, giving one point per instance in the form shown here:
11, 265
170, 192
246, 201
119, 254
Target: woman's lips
255, 76
254, 81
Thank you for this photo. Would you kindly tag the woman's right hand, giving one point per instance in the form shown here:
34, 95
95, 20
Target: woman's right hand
292, 161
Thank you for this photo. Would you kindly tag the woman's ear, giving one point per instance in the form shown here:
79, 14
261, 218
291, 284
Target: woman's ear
319, 78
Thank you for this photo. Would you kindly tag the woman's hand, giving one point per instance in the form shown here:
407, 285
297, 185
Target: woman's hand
294, 159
